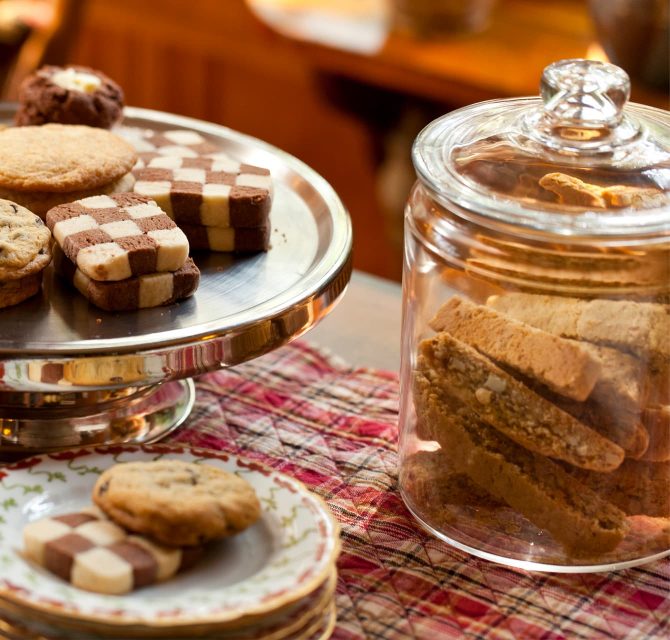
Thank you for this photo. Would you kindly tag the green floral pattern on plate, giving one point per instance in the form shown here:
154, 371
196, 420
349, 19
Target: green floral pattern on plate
277, 561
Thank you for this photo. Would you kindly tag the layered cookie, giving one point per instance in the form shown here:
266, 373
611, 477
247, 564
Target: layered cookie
221, 204
122, 252
43, 166
24, 253
69, 95
93, 553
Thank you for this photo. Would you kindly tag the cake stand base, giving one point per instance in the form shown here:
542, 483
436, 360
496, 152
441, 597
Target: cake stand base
42, 422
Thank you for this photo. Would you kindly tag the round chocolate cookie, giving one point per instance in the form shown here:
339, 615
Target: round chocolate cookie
177, 503
70, 95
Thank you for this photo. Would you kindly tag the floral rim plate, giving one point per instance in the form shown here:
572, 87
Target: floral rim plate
284, 557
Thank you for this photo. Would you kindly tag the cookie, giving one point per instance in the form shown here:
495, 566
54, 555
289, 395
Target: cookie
69, 95
176, 503
40, 202
175, 142
141, 292
92, 553
111, 238
62, 158
227, 239
207, 191
23, 236
24, 253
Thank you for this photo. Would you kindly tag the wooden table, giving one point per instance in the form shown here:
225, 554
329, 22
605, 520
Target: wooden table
357, 39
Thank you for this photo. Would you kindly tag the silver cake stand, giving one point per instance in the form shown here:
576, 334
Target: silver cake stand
71, 374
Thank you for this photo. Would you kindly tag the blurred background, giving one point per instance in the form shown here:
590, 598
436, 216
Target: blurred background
345, 85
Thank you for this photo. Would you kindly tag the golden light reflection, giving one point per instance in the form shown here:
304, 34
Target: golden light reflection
596, 52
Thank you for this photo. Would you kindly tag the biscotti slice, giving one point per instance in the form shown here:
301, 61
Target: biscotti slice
564, 367
640, 328
229, 240
656, 421
208, 191
504, 402
536, 487
637, 487
115, 237
92, 553
141, 292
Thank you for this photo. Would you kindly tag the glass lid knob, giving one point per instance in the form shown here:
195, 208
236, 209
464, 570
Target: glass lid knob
584, 93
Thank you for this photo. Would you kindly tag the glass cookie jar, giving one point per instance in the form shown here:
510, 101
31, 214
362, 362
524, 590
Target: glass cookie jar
535, 378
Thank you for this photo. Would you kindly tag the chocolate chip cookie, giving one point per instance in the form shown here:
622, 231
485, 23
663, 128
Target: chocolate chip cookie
177, 503
24, 253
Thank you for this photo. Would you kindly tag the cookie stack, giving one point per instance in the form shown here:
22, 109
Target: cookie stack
219, 203
44, 166
24, 253
122, 252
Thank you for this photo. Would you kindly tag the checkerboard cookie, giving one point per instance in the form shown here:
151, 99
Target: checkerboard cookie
24, 253
177, 503
141, 292
93, 553
213, 192
175, 142
227, 239
69, 95
111, 238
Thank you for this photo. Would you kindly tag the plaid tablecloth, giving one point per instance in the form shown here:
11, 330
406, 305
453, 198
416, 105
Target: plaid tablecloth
335, 428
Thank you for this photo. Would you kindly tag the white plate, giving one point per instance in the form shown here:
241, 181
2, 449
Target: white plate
284, 557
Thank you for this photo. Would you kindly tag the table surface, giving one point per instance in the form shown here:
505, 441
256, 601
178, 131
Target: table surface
369, 302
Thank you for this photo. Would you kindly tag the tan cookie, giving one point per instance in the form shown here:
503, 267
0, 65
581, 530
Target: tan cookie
62, 158
22, 237
40, 202
14, 291
176, 503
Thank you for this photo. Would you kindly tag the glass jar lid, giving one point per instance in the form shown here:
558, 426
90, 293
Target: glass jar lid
579, 161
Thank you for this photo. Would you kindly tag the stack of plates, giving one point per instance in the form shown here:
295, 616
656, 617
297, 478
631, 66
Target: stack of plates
274, 581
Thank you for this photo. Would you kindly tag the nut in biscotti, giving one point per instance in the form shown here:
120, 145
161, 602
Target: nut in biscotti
563, 366
504, 402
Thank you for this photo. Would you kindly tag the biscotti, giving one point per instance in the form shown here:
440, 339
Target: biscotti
656, 421
641, 328
536, 487
504, 402
563, 366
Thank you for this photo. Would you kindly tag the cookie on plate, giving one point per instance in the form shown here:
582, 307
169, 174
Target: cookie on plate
93, 553
69, 95
41, 166
24, 253
177, 503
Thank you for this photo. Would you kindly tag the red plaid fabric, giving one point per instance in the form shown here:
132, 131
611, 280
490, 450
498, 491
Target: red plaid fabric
335, 428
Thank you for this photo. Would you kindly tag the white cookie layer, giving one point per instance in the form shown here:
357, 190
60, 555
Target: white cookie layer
176, 150
102, 571
190, 175
74, 80
159, 191
98, 202
172, 248
155, 289
221, 238
121, 229
101, 532
37, 534
105, 261
183, 136
224, 163
254, 180
166, 162
147, 210
215, 206
66, 228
